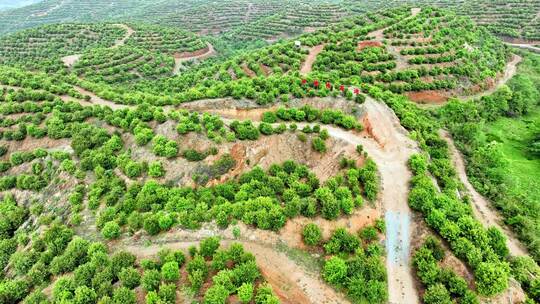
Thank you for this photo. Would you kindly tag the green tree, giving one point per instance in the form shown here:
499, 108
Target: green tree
335, 270
130, 277
216, 294
245, 292
311, 234
111, 230
170, 271
151, 280
437, 294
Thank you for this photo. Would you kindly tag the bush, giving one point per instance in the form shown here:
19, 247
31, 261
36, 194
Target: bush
111, 230
155, 169
245, 293
170, 271
124, 296
209, 246
84, 295
311, 234
335, 271
216, 294
151, 280
318, 144
130, 277
437, 294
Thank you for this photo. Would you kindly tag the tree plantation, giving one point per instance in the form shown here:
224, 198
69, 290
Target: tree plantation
264, 152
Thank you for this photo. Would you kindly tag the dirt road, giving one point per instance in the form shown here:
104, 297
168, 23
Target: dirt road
129, 32
509, 72
480, 205
179, 60
70, 60
310, 59
293, 283
391, 162
529, 47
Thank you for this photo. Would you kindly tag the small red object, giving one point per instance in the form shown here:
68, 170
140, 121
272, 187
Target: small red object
304, 81
328, 85
316, 83
342, 88
356, 91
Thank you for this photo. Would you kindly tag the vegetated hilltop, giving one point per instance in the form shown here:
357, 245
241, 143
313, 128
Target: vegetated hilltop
268, 20
434, 51
132, 138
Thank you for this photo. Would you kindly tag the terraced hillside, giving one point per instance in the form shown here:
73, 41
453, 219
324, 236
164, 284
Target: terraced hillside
143, 165
45, 46
268, 20
426, 55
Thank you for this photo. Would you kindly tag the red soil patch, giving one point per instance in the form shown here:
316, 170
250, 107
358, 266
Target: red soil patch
191, 54
310, 59
266, 70
368, 43
248, 71
428, 97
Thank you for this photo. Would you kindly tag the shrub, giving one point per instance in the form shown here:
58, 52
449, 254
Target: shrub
111, 230
151, 280
130, 277
245, 292
170, 271
209, 246
318, 144
216, 294
124, 296
311, 234
335, 270
155, 169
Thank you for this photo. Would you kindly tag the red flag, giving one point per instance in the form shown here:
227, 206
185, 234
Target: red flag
342, 88
328, 85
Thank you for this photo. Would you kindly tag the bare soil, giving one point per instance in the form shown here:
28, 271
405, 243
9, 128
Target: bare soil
70, 60
179, 58
129, 32
310, 59
437, 97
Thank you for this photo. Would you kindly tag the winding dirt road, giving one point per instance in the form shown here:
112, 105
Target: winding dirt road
480, 205
390, 147
310, 59
129, 32
179, 60
70, 60
529, 47
391, 153
509, 72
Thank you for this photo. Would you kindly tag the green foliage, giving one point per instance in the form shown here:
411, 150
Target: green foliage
129, 277
311, 234
170, 271
335, 270
111, 230
245, 292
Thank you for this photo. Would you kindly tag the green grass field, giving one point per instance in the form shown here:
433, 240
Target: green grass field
523, 169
